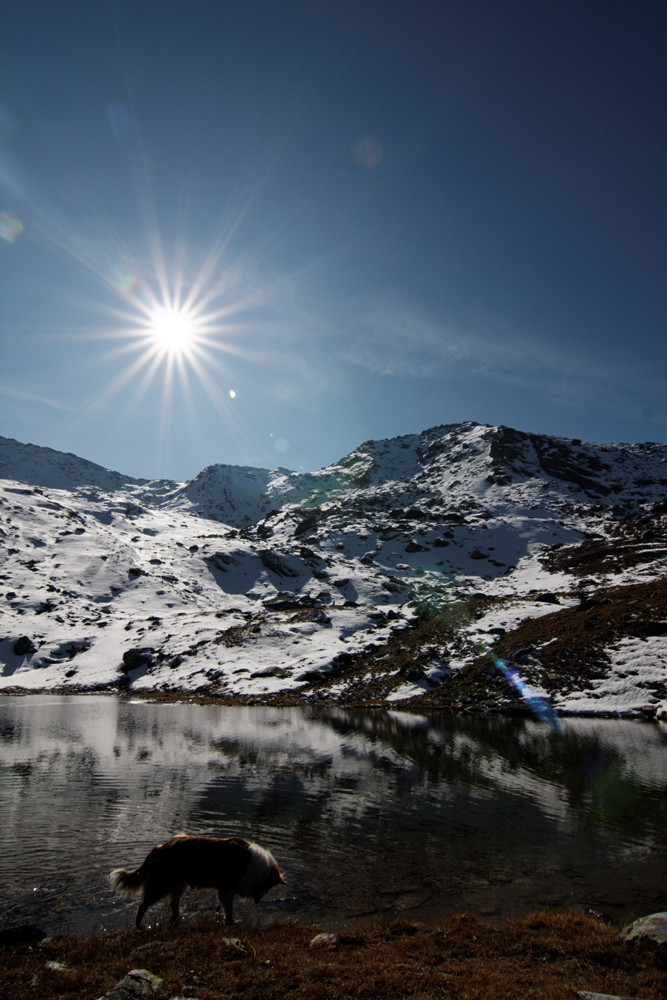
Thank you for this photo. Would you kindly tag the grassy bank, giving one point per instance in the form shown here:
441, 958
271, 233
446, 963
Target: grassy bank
545, 955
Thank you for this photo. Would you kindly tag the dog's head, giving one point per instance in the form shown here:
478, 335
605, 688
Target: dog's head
273, 878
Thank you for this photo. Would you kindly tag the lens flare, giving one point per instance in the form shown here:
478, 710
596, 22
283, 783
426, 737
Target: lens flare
612, 787
10, 227
122, 280
435, 594
535, 702
367, 152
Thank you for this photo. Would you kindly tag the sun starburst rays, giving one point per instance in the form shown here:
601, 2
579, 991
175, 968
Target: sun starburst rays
177, 319
167, 335
184, 341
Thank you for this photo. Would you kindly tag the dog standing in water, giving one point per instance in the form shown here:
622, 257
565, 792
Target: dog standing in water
230, 865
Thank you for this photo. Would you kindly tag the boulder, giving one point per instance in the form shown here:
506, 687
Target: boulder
654, 927
138, 657
137, 983
326, 941
585, 995
24, 646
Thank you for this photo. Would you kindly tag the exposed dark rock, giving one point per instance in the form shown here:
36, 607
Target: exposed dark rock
413, 546
139, 657
277, 563
24, 646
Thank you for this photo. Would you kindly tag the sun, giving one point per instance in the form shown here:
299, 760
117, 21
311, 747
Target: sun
173, 330
178, 330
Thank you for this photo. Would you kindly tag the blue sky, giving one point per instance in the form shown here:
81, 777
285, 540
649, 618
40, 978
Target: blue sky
358, 219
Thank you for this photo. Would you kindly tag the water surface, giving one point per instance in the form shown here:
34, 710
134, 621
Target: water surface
368, 813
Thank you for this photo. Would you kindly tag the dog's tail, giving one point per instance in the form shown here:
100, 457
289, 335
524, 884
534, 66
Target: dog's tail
129, 882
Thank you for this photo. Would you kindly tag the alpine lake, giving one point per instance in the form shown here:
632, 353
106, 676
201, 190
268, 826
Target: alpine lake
369, 813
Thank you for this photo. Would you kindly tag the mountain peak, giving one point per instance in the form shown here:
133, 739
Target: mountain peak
41, 466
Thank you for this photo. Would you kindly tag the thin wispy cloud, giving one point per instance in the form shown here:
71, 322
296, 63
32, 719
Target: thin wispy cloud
401, 342
23, 396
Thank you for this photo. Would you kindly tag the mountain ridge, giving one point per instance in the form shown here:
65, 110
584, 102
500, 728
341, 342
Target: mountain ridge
272, 584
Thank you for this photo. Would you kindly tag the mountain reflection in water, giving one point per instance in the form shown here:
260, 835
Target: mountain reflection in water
368, 813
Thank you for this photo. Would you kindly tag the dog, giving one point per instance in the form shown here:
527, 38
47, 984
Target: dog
230, 865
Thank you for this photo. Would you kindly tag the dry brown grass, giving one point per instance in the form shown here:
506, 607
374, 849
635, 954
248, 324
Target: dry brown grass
547, 955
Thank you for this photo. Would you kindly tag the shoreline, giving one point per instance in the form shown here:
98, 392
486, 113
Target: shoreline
293, 700
552, 954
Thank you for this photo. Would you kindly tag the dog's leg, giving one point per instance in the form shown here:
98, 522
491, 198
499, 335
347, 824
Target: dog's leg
151, 895
174, 900
227, 904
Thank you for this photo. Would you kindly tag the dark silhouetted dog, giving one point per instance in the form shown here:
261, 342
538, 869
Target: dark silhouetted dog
230, 865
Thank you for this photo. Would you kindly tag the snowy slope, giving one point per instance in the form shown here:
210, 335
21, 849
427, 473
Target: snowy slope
402, 571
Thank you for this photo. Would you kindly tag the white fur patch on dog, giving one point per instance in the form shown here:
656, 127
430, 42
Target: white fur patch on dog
260, 866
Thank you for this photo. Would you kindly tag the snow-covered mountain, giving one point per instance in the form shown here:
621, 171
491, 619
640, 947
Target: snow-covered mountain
468, 566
